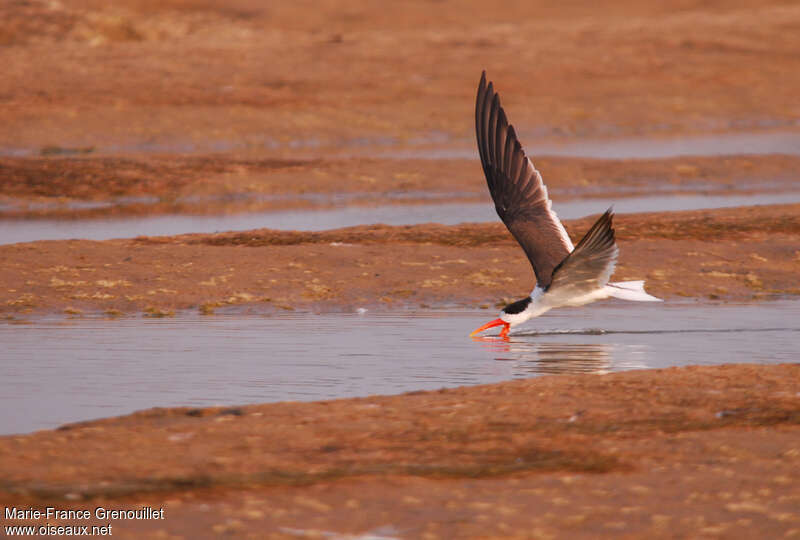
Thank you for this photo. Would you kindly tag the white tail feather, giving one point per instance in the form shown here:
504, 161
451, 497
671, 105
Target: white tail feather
630, 290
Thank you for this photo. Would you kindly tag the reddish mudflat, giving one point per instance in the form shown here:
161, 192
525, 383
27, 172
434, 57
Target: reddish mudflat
735, 254
141, 108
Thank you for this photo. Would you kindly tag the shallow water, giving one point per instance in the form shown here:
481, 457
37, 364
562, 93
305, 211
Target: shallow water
12, 231
714, 144
440, 145
57, 371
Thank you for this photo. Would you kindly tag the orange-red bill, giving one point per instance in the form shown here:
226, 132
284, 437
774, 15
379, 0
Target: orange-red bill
492, 324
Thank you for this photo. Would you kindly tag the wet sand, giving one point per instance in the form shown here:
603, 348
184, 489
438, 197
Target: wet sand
178, 75
734, 254
709, 451
186, 106
83, 187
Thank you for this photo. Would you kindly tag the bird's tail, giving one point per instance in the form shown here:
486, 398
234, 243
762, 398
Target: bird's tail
630, 290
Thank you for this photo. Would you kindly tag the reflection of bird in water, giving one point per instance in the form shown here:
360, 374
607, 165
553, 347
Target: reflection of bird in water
566, 275
539, 358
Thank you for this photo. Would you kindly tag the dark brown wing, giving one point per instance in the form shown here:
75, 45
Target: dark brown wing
590, 265
520, 196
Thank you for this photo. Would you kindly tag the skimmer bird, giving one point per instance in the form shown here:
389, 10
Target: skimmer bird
566, 275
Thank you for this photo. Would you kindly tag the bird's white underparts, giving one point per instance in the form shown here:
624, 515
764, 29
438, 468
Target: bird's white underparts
566, 275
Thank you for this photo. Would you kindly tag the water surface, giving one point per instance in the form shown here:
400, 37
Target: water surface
12, 231
712, 144
56, 371
441, 145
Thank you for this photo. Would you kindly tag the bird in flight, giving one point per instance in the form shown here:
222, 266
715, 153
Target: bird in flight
566, 275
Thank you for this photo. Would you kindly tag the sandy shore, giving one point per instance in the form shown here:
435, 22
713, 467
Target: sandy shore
141, 107
178, 75
146, 185
734, 254
187, 106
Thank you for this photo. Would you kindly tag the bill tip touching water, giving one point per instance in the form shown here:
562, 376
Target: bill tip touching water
566, 275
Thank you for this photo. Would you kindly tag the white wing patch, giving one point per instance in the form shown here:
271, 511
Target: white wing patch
606, 276
553, 216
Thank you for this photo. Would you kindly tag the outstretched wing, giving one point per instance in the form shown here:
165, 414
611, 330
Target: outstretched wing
520, 196
590, 265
